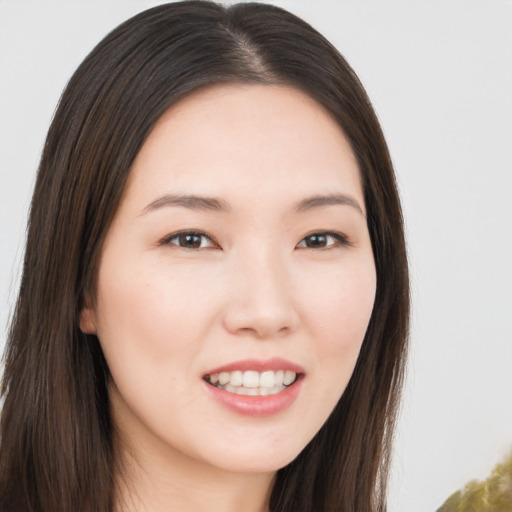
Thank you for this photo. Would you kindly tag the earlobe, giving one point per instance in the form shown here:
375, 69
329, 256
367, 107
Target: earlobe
87, 320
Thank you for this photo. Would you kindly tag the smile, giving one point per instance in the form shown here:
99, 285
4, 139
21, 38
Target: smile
257, 388
252, 383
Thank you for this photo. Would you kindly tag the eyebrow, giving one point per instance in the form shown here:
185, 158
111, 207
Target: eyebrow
320, 201
186, 201
203, 203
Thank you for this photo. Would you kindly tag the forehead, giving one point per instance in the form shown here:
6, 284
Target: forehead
239, 141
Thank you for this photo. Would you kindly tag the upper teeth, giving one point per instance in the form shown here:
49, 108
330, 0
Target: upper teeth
252, 379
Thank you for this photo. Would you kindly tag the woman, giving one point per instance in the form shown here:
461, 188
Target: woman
214, 300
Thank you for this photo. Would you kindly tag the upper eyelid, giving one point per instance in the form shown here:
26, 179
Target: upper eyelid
338, 236
326, 233
166, 239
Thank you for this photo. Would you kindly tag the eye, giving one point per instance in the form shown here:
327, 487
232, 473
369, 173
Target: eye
323, 240
190, 240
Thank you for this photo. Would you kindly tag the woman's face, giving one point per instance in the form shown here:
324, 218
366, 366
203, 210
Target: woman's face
236, 281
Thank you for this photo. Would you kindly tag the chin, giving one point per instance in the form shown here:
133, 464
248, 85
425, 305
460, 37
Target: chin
257, 460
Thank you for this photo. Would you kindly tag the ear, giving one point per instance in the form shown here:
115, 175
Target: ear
87, 320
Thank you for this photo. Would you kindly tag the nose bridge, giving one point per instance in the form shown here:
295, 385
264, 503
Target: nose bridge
261, 302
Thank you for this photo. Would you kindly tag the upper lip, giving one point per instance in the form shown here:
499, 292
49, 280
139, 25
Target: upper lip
258, 365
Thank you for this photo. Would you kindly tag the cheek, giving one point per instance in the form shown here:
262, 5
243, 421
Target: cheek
151, 327
339, 319
340, 304
152, 315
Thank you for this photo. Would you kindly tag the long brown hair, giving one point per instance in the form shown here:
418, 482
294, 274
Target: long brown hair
56, 430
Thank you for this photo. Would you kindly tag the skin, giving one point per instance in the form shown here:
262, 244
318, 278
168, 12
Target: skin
166, 314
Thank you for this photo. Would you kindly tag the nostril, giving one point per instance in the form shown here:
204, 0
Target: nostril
260, 304
261, 325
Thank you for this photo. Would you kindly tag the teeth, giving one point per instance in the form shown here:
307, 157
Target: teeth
224, 378
236, 378
251, 380
268, 380
289, 377
253, 383
230, 388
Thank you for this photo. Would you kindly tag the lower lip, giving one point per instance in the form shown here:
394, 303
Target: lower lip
256, 406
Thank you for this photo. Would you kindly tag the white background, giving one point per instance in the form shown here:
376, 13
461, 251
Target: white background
440, 76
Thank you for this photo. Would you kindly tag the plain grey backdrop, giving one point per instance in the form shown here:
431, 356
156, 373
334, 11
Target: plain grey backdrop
440, 76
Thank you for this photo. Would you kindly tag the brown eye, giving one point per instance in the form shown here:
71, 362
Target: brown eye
316, 241
189, 240
323, 241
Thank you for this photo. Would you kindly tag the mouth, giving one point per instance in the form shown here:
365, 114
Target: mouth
256, 388
252, 382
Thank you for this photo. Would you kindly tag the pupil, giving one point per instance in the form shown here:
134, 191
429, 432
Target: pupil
316, 241
190, 241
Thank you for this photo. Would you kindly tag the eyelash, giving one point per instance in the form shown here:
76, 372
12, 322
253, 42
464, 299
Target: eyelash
340, 240
168, 240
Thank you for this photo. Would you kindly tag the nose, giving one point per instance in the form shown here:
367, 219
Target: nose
261, 301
